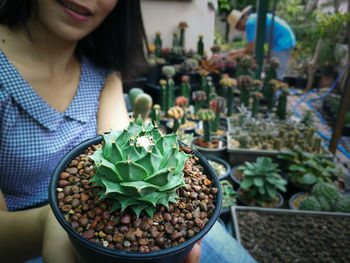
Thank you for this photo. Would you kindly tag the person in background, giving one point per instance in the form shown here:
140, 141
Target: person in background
283, 37
61, 68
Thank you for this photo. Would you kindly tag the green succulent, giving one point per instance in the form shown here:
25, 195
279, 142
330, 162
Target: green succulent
308, 169
327, 193
139, 167
262, 179
310, 203
343, 204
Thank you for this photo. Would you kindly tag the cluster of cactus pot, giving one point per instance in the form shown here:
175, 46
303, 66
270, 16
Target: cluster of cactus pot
218, 105
326, 197
139, 167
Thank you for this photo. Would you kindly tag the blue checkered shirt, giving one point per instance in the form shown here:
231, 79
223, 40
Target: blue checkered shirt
34, 136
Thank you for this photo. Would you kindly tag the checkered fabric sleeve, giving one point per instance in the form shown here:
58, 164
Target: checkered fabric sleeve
34, 136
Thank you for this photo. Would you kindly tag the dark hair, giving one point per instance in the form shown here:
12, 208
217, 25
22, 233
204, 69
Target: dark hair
117, 44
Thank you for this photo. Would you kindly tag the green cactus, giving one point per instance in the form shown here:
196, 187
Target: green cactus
309, 203
243, 141
282, 103
329, 192
176, 49
277, 144
200, 46
189, 65
182, 26
206, 115
199, 97
158, 44
256, 99
139, 167
185, 87
244, 83
229, 84
155, 113
316, 144
133, 93
163, 95
244, 66
218, 105
142, 106
343, 204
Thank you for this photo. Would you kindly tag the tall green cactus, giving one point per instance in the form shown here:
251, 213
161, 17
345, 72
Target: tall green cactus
207, 116
182, 26
199, 97
139, 167
163, 95
155, 113
282, 102
133, 93
169, 72
158, 44
176, 49
255, 107
200, 46
268, 88
218, 105
186, 87
244, 83
229, 84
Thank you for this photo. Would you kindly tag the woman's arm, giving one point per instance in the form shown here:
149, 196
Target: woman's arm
112, 113
21, 234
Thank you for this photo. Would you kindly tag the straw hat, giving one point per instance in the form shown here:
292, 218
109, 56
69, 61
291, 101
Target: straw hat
234, 17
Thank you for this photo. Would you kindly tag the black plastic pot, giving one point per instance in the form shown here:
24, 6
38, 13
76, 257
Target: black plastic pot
223, 162
91, 252
217, 152
293, 197
232, 175
245, 203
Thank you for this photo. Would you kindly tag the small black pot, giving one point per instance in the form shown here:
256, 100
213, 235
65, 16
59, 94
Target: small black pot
232, 175
91, 252
223, 162
293, 197
245, 203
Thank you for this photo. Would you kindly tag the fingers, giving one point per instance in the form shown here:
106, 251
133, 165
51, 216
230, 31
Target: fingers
195, 254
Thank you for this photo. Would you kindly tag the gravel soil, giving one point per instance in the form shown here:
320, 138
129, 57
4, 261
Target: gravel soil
295, 238
122, 230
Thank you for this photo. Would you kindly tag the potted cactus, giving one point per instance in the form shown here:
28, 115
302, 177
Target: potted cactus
244, 83
323, 197
282, 101
245, 66
268, 88
158, 44
200, 46
126, 192
206, 144
141, 104
182, 26
261, 183
186, 125
177, 51
228, 84
167, 89
199, 98
185, 88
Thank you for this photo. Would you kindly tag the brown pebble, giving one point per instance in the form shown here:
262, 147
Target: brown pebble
118, 237
90, 233
123, 229
137, 222
109, 228
199, 222
167, 217
63, 183
175, 235
161, 241
66, 208
143, 241
75, 203
125, 219
83, 221
143, 249
168, 228
188, 216
190, 233
72, 170
64, 175
155, 234
68, 199
130, 235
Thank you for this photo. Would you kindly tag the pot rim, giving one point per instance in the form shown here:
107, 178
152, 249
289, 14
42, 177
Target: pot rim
78, 149
280, 204
222, 161
213, 149
293, 197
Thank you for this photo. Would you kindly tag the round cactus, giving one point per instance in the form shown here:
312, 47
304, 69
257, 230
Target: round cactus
139, 167
168, 71
181, 101
206, 115
343, 204
142, 106
329, 192
309, 203
133, 93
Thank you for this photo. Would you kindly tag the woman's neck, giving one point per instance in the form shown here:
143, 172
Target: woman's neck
38, 47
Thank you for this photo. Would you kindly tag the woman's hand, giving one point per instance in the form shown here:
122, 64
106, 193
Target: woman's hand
56, 244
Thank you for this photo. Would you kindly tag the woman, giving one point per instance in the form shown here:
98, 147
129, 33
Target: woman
61, 64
